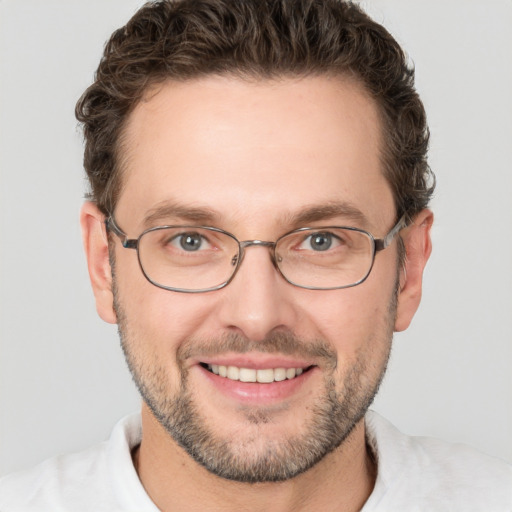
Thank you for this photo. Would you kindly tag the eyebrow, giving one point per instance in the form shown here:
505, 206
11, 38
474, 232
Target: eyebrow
167, 210
328, 211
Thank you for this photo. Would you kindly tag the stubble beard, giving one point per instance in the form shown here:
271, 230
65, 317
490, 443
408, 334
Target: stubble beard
332, 417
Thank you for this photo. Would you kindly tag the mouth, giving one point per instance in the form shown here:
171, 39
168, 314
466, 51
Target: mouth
260, 375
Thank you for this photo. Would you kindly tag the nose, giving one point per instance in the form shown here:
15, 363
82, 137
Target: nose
258, 300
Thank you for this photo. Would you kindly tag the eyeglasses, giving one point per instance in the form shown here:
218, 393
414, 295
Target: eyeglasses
196, 259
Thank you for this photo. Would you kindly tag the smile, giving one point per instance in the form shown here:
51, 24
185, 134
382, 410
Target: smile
264, 376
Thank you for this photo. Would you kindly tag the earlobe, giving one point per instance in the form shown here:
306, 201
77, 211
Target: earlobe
95, 243
418, 246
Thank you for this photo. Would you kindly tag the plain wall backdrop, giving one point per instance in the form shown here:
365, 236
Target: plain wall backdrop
63, 382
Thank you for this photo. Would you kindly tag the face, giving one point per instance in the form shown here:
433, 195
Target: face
251, 158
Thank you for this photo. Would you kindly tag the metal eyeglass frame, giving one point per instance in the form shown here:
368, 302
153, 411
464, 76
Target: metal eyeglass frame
379, 244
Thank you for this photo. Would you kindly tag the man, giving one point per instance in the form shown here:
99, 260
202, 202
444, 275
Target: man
258, 229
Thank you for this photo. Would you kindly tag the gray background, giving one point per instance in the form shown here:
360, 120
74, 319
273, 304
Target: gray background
63, 383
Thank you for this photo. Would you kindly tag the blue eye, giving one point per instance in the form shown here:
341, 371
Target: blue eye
189, 242
320, 241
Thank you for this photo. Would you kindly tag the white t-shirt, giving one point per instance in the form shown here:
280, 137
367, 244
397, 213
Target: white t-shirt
414, 474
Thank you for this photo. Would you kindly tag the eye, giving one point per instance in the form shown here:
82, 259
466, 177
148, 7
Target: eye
321, 241
189, 242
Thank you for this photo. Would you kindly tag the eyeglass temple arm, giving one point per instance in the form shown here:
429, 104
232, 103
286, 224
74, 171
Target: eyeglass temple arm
382, 243
111, 225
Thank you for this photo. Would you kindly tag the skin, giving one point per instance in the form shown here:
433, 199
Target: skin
256, 154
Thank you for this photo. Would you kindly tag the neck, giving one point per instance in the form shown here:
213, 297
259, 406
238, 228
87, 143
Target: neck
343, 480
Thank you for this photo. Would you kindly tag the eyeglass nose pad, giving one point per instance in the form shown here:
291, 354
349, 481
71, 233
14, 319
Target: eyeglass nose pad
275, 257
237, 259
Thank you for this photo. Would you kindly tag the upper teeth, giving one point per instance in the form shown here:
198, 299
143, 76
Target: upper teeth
266, 375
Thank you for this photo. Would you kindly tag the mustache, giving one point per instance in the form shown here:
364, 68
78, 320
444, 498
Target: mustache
275, 343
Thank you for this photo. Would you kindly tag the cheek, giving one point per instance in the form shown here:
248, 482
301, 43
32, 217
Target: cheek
358, 323
346, 317
160, 318
360, 328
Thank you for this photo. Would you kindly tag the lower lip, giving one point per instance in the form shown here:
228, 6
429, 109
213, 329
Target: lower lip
255, 392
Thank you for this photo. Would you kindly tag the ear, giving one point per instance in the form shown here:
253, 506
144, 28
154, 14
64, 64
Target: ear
418, 247
95, 240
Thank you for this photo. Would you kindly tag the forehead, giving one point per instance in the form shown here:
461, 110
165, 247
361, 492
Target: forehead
251, 152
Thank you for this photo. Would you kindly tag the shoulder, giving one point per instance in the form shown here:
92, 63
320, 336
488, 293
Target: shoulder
429, 474
97, 479
54, 482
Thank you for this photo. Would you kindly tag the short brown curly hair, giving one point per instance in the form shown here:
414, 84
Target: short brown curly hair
186, 39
